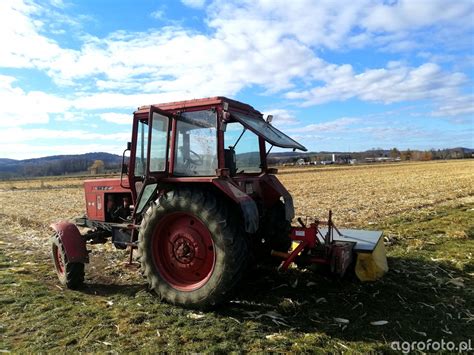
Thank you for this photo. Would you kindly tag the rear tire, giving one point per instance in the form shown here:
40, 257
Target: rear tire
193, 250
69, 274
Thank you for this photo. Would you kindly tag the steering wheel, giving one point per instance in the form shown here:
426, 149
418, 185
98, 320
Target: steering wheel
196, 160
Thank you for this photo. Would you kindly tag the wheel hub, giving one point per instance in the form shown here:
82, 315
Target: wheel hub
183, 251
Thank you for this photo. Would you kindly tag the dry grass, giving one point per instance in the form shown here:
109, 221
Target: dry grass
362, 195
41, 183
425, 210
357, 195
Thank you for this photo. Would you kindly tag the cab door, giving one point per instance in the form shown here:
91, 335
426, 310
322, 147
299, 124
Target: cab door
149, 155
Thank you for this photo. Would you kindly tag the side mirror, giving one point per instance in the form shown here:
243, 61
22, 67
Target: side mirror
124, 170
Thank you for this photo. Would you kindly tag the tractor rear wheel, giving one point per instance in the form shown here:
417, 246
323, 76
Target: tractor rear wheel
192, 249
70, 274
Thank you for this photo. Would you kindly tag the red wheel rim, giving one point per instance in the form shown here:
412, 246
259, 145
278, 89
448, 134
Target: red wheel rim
183, 251
58, 258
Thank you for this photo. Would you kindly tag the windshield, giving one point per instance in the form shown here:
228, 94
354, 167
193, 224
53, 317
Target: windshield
246, 146
267, 132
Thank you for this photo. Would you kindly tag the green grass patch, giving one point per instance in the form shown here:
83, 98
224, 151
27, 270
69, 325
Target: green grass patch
427, 294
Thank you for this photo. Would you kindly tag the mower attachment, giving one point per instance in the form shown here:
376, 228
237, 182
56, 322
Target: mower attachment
337, 248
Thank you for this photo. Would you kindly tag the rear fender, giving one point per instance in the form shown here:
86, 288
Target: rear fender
273, 188
72, 240
246, 203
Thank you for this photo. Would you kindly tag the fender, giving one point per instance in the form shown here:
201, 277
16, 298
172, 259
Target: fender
245, 202
274, 187
72, 240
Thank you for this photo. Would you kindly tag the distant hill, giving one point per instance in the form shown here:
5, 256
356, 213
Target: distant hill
56, 164
75, 164
7, 161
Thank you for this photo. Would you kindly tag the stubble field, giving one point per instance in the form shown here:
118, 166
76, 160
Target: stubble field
425, 210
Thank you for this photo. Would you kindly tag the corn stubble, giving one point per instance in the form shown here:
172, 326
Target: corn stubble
362, 195
359, 196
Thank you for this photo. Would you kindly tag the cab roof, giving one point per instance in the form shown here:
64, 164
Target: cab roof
209, 101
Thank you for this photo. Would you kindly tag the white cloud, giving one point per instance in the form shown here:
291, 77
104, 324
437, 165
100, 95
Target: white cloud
22, 143
337, 125
197, 4
22, 44
328, 24
274, 46
407, 14
176, 60
57, 3
18, 107
18, 134
387, 85
107, 100
118, 118
269, 44
69, 116
32, 150
265, 44
281, 117
392, 133
158, 14
456, 106
321, 23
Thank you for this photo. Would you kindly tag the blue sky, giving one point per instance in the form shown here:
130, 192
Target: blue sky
336, 75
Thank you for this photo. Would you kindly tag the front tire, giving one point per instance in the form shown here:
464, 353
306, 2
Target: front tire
69, 274
193, 250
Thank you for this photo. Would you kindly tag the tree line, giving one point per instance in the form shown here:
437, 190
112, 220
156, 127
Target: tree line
425, 155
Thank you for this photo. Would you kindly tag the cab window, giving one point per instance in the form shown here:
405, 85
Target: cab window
142, 149
159, 142
196, 144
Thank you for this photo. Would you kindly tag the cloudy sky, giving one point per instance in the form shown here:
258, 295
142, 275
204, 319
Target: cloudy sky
337, 75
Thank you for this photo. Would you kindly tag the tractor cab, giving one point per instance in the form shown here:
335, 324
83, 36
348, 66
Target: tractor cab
217, 141
200, 137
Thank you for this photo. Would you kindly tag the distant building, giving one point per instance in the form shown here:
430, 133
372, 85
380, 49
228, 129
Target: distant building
98, 167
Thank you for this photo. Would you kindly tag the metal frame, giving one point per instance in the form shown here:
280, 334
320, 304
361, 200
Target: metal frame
330, 252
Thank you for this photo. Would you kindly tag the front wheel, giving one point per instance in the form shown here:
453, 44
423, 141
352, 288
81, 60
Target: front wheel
193, 250
69, 274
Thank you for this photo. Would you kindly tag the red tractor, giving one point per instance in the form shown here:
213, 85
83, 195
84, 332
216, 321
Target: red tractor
199, 202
